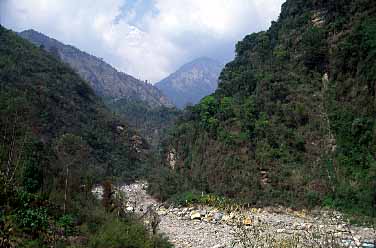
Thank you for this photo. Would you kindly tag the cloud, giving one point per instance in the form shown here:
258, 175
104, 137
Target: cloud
145, 38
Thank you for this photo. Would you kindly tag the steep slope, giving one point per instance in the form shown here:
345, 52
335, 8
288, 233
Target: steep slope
151, 123
57, 140
106, 81
191, 82
293, 119
43, 99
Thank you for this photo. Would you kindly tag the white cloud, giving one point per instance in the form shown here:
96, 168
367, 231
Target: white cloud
148, 45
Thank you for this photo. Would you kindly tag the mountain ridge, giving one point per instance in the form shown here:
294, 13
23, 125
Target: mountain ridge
191, 82
106, 81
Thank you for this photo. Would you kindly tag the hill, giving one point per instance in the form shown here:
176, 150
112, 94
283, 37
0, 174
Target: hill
57, 141
191, 82
293, 119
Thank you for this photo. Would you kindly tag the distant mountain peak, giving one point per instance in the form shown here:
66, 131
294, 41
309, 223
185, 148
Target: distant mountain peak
106, 81
192, 81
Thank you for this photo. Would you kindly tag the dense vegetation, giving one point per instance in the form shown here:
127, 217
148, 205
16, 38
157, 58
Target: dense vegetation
151, 123
58, 140
141, 104
293, 120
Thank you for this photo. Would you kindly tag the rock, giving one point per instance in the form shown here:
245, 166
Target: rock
232, 215
208, 218
218, 216
247, 221
307, 226
195, 215
130, 209
281, 230
218, 246
162, 212
225, 218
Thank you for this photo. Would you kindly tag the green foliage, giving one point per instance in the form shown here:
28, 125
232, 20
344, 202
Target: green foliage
315, 50
57, 140
118, 234
151, 123
68, 224
32, 179
35, 219
292, 121
193, 198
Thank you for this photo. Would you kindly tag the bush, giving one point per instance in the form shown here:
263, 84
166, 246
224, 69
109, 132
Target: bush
67, 223
126, 234
35, 219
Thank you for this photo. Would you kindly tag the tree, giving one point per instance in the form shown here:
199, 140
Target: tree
71, 151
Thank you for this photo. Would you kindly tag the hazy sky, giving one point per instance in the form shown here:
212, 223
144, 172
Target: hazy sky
148, 39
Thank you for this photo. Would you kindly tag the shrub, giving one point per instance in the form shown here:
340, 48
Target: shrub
35, 219
126, 234
67, 223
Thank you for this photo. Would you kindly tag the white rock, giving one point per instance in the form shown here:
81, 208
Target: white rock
195, 215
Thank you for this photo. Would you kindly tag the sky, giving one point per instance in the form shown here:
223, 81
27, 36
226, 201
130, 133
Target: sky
148, 39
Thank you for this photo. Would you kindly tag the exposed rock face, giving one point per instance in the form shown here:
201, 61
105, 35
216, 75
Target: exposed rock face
172, 158
191, 82
106, 81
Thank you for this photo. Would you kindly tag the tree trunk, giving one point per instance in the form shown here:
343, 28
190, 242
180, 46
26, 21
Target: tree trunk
66, 189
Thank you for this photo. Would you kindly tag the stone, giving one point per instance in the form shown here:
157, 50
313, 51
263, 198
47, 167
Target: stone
232, 215
218, 216
225, 218
195, 215
130, 209
162, 212
247, 221
281, 230
208, 218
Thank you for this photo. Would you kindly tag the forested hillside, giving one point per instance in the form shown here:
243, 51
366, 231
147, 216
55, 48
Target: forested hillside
142, 105
293, 120
106, 81
57, 141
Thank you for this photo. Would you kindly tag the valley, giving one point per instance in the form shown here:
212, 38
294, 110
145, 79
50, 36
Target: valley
277, 148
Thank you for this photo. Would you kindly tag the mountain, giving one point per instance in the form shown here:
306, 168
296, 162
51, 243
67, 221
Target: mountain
57, 141
191, 82
293, 119
144, 106
106, 81
44, 99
